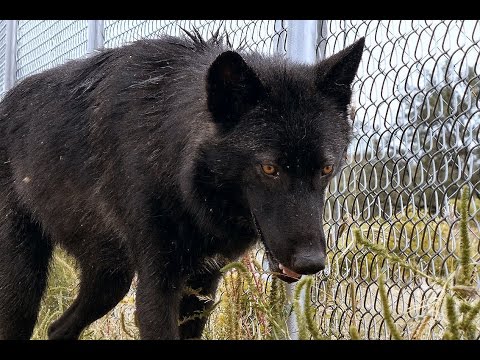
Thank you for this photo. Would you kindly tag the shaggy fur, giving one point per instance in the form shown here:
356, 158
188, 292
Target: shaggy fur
147, 159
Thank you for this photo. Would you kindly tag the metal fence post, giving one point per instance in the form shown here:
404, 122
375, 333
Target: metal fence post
10, 55
95, 39
302, 40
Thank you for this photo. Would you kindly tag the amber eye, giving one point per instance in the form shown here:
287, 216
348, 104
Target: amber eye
327, 170
269, 169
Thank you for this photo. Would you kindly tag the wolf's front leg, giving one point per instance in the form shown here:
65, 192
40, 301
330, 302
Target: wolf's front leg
193, 309
158, 305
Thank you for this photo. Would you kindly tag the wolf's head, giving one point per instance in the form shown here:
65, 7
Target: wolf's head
284, 130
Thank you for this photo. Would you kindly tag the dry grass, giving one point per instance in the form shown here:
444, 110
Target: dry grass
250, 305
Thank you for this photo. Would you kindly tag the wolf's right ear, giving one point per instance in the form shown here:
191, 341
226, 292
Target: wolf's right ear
232, 88
335, 74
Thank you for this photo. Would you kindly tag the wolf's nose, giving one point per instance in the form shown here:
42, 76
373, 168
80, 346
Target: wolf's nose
308, 263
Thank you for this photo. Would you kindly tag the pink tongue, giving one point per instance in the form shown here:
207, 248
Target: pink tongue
289, 272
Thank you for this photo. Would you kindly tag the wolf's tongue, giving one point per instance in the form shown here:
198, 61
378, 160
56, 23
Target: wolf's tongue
289, 272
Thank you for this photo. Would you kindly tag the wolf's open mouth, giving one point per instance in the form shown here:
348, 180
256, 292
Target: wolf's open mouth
289, 272
280, 270
276, 268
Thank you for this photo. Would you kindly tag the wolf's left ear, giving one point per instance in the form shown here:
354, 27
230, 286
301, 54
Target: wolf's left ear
232, 88
335, 74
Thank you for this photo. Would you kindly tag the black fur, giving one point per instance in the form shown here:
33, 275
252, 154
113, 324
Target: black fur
147, 159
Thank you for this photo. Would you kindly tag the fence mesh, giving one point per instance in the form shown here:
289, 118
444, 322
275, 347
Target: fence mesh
3, 43
259, 35
47, 43
416, 144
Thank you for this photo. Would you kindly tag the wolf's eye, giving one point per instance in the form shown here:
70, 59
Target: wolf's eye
327, 170
269, 169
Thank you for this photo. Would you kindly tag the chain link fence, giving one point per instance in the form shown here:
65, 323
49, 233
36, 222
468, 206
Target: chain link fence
3, 45
45, 44
416, 144
258, 35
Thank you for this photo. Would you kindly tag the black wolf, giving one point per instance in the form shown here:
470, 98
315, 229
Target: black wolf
166, 158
